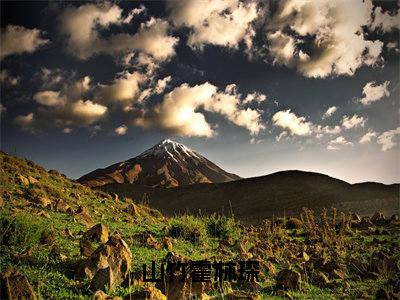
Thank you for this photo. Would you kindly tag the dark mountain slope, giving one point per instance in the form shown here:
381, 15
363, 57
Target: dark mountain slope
282, 193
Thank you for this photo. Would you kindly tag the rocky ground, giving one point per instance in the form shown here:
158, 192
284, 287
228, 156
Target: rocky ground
62, 240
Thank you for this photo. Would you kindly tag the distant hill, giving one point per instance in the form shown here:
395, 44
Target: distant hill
167, 164
278, 194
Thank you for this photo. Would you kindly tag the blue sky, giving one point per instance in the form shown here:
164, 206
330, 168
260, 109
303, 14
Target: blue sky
255, 86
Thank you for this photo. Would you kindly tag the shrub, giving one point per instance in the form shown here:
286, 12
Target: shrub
294, 223
187, 228
222, 227
20, 232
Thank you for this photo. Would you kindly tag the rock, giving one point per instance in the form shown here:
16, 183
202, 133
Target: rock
42, 213
112, 260
167, 244
14, 285
86, 248
288, 279
151, 242
149, 293
42, 201
355, 217
98, 233
22, 180
133, 210
114, 196
66, 232
32, 180
47, 238
294, 223
62, 206
378, 218
100, 295
84, 217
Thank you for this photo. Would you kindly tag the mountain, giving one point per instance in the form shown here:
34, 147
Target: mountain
254, 199
167, 164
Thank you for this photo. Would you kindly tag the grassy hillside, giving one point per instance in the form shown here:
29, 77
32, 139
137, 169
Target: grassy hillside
284, 193
44, 217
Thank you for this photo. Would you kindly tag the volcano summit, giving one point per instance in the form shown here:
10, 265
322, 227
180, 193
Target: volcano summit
167, 164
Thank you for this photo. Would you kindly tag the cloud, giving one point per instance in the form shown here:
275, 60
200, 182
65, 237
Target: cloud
68, 106
125, 88
222, 23
336, 143
82, 24
162, 84
329, 112
254, 97
282, 135
179, 112
332, 31
384, 21
366, 138
299, 126
291, 122
374, 92
87, 112
26, 121
152, 39
354, 121
18, 39
49, 98
6, 78
121, 130
389, 139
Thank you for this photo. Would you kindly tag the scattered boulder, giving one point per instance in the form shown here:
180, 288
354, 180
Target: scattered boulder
167, 244
378, 218
44, 214
86, 248
112, 260
32, 180
98, 233
22, 180
84, 217
114, 196
42, 201
133, 210
62, 206
100, 295
149, 293
14, 285
47, 238
288, 279
294, 223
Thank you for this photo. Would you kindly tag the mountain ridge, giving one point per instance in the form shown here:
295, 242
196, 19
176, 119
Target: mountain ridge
278, 194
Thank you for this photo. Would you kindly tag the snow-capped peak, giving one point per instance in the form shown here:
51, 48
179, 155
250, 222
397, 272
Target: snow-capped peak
170, 148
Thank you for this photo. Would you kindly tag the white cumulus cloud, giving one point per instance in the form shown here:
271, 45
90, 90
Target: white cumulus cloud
389, 139
354, 121
121, 130
18, 39
373, 92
